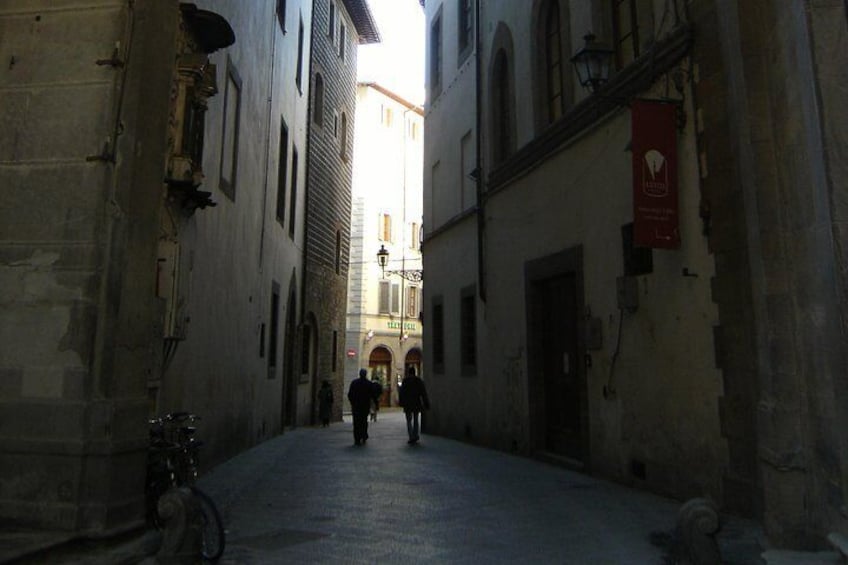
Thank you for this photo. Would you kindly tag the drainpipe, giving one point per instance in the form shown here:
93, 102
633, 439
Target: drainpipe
268, 141
481, 210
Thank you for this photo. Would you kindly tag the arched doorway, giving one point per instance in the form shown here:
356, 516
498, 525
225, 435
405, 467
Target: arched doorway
380, 367
309, 360
289, 415
413, 359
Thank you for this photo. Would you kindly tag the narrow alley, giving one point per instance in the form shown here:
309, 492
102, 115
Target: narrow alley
310, 496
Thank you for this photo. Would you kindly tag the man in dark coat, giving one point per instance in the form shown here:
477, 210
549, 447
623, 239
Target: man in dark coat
413, 398
361, 394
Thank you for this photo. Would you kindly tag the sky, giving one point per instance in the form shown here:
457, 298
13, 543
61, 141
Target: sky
396, 63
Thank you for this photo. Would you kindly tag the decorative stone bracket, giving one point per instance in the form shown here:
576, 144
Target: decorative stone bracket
182, 536
697, 525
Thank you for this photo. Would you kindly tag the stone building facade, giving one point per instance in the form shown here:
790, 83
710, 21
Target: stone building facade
144, 268
384, 328
339, 26
706, 360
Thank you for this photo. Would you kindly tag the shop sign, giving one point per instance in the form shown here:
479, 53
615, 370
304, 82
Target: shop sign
655, 187
406, 325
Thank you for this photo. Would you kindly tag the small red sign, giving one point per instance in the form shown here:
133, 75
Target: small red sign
351, 353
654, 145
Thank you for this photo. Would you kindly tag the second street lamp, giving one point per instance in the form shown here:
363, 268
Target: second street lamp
412, 275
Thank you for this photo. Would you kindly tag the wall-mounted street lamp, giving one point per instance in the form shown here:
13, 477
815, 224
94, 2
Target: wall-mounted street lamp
592, 63
412, 275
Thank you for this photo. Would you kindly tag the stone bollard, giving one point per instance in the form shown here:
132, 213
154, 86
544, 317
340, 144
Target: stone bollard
697, 525
182, 532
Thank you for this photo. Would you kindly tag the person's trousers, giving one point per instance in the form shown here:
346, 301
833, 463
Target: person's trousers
360, 426
412, 424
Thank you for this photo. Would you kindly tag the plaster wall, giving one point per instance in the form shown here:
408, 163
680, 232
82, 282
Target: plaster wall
442, 169
663, 411
232, 254
459, 404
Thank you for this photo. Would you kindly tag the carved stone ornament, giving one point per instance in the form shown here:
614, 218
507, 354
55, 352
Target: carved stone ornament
182, 535
698, 523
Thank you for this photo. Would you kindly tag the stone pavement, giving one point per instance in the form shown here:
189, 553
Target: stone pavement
310, 496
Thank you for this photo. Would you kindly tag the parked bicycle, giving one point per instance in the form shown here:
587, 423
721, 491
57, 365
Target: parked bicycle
171, 463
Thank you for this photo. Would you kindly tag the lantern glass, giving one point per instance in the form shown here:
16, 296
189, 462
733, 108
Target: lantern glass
592, 63
383, 257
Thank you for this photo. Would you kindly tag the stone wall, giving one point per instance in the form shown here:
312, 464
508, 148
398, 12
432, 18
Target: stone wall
723, 209
766, 92
82, 152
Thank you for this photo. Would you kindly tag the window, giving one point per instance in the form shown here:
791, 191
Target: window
412, 310
385, 233
306, 350
318, 104
293, 193
389, 299
414, 236
335, 354
637, 260
465, 33
331, 29
338, 252
342, 40
384, 299
298, 77
343, 140
501, 108
281, 14
395, 298
553, 63
413, 130
438, 335
229, 147
387, 116
335, 124
275, 327
282, 172
468, 332
436, 54
632, 22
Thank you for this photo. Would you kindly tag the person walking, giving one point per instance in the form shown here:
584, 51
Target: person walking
361, 394
378, 392
413, 399
325, 403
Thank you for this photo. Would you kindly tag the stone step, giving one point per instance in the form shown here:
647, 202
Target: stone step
786, 557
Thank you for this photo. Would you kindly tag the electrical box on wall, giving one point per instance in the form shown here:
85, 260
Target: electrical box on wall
594, 333
627, 293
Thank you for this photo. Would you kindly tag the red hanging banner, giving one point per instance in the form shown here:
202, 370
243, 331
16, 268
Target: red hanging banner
654, 145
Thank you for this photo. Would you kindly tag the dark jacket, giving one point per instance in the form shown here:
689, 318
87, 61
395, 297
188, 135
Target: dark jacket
413, 395
361, 393
325, 402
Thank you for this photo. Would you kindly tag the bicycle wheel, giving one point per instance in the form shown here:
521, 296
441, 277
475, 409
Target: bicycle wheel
213, 528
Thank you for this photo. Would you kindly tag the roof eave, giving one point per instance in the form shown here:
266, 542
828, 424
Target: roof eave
363, 21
